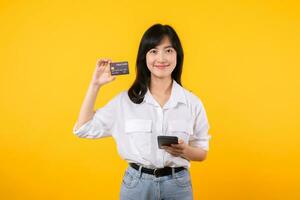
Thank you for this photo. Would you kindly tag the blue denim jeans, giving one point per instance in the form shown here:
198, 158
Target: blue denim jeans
142, 186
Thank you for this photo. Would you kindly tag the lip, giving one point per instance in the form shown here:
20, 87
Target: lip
161, 66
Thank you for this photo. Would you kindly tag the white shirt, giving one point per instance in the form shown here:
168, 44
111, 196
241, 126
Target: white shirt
135, 127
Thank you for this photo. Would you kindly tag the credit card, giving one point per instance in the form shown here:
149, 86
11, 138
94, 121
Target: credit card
119, 68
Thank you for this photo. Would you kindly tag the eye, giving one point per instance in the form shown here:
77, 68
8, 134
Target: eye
152, 51
169, 50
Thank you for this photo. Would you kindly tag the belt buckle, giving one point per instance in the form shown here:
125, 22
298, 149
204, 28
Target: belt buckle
155, 170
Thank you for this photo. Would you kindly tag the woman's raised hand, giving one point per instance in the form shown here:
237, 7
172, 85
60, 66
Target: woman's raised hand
102, 73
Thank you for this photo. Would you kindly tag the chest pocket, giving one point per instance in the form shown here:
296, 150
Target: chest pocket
183, 129
139, 135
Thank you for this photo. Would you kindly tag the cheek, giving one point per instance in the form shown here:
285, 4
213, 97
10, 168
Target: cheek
172, 58
149, 61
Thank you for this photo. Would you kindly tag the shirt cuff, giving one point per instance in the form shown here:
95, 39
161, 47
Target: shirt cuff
81, 130
202, 142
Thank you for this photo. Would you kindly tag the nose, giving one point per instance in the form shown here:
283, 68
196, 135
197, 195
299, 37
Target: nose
161, 57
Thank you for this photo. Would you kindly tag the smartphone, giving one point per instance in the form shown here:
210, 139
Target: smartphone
166, 140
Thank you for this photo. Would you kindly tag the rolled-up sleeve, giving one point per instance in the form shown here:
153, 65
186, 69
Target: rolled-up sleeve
101, 125
200, 137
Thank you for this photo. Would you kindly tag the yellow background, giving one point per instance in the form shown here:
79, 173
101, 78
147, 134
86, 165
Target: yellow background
241, 59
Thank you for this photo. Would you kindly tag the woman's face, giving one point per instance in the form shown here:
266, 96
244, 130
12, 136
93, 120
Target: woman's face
161, 60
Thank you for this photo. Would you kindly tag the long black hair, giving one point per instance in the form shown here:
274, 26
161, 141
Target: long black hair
151, 38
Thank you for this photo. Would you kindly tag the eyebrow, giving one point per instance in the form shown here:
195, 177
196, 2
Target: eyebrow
165, 47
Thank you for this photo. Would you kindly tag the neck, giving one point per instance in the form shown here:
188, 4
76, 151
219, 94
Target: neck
161, 86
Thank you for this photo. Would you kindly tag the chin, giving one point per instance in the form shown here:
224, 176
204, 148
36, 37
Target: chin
161, 73
161, 76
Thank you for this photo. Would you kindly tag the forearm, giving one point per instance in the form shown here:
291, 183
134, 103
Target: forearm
194, 153
87, 109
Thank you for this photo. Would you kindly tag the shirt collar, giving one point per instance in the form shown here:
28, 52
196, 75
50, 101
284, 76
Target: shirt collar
177, 96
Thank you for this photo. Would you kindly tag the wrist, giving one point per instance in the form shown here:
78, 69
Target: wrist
94, 86
186, 152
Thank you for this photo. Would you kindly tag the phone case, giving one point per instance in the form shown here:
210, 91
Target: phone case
166, 140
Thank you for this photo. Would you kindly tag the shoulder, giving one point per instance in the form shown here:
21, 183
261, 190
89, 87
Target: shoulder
196, 104
122, 96
192, 99
117, 99
122, 93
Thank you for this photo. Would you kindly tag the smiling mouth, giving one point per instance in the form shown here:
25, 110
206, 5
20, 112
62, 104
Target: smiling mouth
161, 66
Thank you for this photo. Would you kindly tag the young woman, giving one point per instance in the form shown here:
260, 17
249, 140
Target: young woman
156, 104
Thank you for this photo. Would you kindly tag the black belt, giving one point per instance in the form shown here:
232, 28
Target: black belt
157, 172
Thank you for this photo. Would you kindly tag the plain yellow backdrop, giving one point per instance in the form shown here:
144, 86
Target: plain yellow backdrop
241, 59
